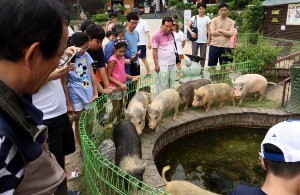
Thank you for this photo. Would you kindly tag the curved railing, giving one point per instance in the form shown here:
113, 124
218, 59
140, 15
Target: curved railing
102, 176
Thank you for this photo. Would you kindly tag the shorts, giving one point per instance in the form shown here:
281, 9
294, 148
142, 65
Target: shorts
118, 95
80, 106
60, 137
143, 51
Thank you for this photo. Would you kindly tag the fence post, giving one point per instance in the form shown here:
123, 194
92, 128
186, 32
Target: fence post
294, 103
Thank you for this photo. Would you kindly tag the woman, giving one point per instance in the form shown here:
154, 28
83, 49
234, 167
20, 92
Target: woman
203, 25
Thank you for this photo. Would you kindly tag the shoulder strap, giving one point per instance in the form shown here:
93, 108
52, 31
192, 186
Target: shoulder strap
195, 24
174, 42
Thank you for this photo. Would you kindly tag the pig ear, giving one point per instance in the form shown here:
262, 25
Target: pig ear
195, 90
232, 81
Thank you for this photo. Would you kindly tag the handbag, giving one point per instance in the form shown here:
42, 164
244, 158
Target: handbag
194, 29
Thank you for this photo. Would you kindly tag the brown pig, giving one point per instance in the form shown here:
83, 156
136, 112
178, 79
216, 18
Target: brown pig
162, 103
136, 110
181, 187
186, 90
249, 83
208, 94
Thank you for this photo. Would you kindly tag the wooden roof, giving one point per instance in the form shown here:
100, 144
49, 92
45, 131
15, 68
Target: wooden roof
278, 2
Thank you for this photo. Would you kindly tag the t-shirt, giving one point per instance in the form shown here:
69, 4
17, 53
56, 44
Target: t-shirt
202, 23
132, 41
118, 71
50, 99
219, 23
165, 48
142, 27
79, 81
179, 37
246, 190
99, 61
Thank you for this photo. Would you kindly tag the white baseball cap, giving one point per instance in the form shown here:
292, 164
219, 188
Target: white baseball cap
286, 136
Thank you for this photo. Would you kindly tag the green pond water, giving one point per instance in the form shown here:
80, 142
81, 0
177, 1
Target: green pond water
216, 160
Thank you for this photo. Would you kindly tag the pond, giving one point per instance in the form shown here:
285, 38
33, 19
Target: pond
216, 160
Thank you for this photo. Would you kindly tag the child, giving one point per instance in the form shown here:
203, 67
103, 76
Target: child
117, 78
82, 83
180, 43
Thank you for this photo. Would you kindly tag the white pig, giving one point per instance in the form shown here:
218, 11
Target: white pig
249, 83
136, 110
162, 103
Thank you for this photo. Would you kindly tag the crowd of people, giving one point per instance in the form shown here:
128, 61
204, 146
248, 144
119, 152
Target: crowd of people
44, 83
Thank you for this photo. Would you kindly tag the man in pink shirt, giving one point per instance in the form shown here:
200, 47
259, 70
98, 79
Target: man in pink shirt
164, 55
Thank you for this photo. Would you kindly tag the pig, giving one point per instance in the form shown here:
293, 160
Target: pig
163, 102
180, 187
186, 90
208, 94
249, 83
128, 154
136, 110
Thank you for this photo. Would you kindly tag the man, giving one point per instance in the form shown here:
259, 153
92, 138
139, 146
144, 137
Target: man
163, 49
280, 157
132, 38
143, 29
221, 29
33, 37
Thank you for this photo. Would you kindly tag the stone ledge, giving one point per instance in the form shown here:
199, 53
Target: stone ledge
194, 121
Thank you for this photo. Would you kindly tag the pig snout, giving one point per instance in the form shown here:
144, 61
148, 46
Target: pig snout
152, 124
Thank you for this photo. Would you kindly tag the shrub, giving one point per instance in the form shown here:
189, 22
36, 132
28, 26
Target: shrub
253, 18
100, 18
263, 53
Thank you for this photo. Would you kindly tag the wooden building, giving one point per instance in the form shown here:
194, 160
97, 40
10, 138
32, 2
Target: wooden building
282, 19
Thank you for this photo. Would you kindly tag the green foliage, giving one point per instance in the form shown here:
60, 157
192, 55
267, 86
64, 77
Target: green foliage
263, 53
252, 18
212, 9
100, 18
233, 15
239, 4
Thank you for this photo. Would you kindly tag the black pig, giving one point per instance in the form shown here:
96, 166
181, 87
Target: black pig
128, 150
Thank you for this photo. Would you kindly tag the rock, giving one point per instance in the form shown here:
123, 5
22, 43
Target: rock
108, 150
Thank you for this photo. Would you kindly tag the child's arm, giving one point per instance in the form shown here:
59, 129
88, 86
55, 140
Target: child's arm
95, 83
64, 81
110, 67
133, 78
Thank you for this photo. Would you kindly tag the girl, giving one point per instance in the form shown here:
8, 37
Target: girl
203, 25
117, 78
180, 42
81, 82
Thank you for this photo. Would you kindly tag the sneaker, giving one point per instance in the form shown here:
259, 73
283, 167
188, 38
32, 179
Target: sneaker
104, 120
73, 192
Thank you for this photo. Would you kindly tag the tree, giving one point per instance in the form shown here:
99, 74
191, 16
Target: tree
179, 6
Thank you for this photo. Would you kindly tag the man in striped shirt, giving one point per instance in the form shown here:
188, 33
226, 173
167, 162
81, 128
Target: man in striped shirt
33, 37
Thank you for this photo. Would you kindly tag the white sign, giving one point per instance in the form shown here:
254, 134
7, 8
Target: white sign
187, 14
293, 14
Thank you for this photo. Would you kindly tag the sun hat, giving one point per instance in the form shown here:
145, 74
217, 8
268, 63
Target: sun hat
286, 136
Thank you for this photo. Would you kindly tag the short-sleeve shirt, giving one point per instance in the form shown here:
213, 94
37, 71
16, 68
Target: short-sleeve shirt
164, 43
79, 81
246, 190
118, 71
233, 39
219, 23
202, 23
132, 41
142, 27
179, 37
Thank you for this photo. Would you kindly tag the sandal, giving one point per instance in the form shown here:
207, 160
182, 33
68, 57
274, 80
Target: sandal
74, 175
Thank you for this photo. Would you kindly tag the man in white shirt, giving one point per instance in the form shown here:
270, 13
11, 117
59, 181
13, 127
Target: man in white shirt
143, 30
